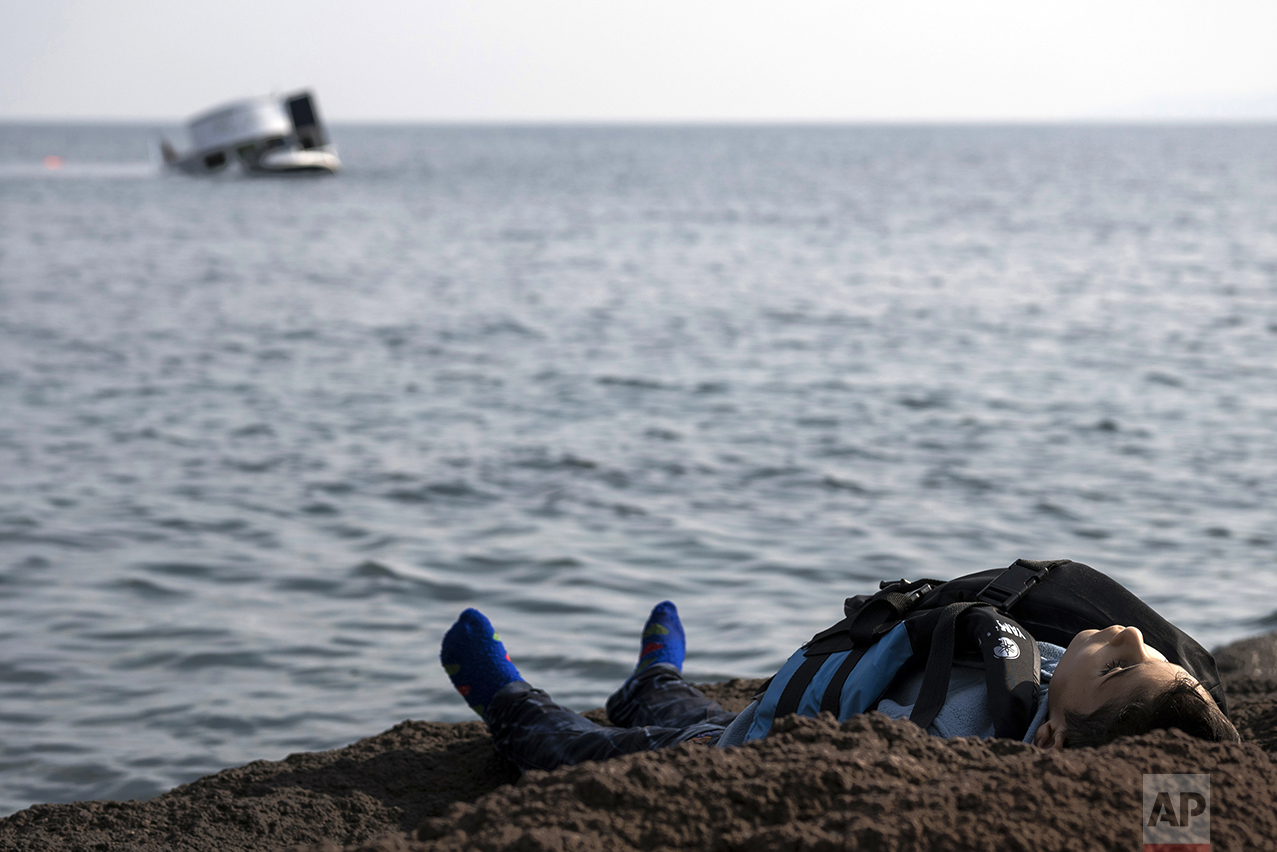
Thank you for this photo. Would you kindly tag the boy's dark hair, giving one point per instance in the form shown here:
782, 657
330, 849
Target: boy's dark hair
1181, 705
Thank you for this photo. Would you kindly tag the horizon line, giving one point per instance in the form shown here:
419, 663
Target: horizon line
703, 122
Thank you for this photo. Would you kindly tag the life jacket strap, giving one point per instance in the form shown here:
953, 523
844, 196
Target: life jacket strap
865, 624
832, 699
1012, 666
935, 683
793, 693
1005, 590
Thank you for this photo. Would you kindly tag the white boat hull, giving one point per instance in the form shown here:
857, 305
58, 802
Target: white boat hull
286, 161
264, 136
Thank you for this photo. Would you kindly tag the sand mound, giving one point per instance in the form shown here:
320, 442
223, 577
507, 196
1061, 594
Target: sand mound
868, 784
872, 783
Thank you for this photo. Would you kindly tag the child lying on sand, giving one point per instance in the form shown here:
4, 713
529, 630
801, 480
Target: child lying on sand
1107, 684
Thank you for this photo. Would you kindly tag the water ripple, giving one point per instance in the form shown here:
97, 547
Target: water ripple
262, 442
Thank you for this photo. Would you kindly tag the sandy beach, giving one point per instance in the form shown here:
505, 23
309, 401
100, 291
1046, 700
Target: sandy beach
870, 783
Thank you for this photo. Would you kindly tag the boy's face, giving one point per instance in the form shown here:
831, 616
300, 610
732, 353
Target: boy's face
1101, 666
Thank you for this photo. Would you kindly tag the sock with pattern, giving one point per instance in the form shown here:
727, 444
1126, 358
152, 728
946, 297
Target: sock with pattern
475, 660
663, 640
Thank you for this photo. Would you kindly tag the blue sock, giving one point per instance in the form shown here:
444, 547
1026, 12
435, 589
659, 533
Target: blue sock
475, 660
663, 640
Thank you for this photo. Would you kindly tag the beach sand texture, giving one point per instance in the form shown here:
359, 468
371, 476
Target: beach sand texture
870, 783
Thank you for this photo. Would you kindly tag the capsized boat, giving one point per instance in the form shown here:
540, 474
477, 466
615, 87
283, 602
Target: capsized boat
263, 136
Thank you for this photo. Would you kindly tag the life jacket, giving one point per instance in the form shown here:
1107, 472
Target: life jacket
997, 616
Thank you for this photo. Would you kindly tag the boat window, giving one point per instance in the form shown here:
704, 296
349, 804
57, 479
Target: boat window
302, 111
215, 159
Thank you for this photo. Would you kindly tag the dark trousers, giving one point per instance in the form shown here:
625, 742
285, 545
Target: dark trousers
654, 709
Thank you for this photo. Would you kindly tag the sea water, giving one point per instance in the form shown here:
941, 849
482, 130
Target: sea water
262, 439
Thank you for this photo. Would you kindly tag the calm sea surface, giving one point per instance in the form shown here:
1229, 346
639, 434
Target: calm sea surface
262, 440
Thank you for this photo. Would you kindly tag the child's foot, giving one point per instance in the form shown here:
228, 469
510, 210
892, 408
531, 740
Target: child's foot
475, 660
663, 640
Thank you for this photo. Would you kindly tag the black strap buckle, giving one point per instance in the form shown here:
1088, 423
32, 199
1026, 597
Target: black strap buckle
913, 596
1005, 590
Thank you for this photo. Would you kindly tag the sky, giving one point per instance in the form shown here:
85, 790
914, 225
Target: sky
655, 61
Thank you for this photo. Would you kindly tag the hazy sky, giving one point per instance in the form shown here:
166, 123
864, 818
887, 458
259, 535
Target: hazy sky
605, 60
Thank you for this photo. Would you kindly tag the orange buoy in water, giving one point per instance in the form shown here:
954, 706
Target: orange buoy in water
53, 162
